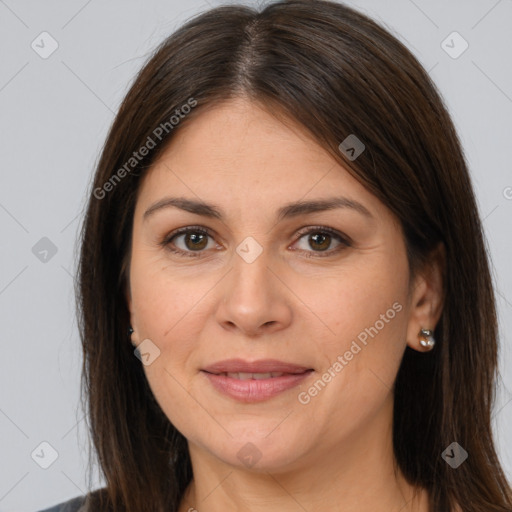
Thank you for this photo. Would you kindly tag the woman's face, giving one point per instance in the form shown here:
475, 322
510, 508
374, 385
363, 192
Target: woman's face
267, 272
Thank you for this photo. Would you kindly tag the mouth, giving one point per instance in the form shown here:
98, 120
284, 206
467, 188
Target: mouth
254, 381
260, 367
255, 376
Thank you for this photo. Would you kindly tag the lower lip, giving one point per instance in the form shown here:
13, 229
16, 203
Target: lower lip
253, 390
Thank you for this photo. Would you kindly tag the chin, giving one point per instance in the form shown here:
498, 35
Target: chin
265, 453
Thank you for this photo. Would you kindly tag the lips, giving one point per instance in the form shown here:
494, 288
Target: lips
249, 375
263, 366
254, 381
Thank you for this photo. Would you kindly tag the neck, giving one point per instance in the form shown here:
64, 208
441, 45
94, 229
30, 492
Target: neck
359, 476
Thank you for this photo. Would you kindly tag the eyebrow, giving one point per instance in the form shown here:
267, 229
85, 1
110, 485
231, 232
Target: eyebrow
290, 210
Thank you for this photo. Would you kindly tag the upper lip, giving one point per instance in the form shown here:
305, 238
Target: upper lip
260, 366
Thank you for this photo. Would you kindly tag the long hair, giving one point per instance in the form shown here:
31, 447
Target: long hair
337, 73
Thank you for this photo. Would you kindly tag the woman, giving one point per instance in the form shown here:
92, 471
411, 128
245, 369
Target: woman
283, 226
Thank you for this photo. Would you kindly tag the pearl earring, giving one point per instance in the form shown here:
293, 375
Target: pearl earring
427, 340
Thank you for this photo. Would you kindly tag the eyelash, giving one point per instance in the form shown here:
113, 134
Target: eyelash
344, 240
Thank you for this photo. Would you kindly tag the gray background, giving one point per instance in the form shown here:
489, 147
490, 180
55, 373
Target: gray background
55, 113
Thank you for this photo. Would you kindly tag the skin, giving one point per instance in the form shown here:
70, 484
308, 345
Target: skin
284, 305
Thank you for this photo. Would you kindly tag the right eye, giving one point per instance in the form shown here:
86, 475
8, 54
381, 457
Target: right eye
189, 241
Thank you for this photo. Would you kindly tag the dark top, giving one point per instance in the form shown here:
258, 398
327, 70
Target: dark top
72, 505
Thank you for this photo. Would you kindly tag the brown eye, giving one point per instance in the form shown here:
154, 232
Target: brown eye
320, 241
195, 241
189, 241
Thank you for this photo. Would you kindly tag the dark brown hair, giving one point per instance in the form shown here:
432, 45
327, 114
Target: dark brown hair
336, 72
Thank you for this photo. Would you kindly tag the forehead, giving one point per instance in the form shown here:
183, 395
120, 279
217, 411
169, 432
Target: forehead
238, 154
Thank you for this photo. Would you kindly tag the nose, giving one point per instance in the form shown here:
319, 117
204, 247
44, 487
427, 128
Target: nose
253, 301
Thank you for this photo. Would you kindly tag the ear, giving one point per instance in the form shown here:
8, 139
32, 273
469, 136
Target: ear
128, 297
129, 303
427, 297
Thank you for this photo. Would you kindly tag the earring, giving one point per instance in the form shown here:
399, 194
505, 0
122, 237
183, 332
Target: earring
130, 330
427, 340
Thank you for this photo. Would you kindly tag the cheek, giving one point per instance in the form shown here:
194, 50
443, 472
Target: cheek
164, 300
355, 298
363, 311
171, 311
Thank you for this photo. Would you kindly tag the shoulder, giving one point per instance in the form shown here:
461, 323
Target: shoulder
73, 505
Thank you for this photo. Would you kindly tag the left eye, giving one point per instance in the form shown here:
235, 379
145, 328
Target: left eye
321, 241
